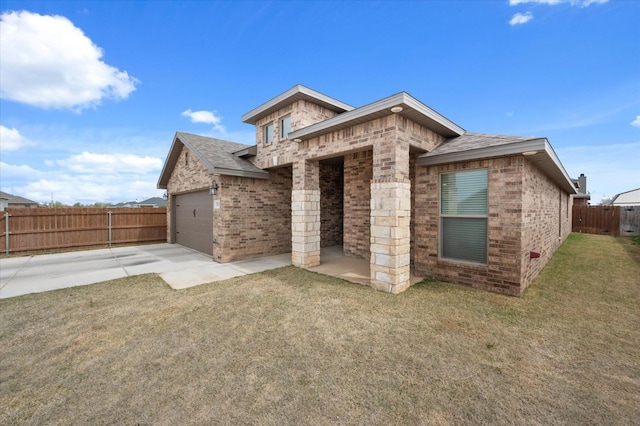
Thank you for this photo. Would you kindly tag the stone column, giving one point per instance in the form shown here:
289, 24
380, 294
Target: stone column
305, 214
390, 217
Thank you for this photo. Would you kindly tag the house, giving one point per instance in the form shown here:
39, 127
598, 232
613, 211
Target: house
149, 202
582, 198
14, 201
393, 182
628, 198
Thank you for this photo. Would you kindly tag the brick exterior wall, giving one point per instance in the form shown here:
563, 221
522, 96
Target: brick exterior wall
358, 173
546, 220
331, 204
523, 216
502, 273
412, 223
380, 205
254, 218
189, 174
303, 114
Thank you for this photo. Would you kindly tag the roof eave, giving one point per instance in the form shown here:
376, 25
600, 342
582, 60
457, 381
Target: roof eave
261, 174
251, 151
170, 162
411, 108
540, 153
280, 101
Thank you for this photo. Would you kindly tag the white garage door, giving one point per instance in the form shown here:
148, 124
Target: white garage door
194, 221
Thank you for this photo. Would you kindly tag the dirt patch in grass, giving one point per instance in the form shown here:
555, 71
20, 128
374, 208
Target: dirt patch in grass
295, 347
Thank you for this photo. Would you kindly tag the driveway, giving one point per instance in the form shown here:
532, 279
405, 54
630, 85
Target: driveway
179, 266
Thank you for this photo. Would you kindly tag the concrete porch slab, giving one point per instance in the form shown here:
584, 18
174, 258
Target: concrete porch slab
333, 262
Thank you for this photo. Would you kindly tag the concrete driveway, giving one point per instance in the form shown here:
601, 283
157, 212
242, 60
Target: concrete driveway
179, 266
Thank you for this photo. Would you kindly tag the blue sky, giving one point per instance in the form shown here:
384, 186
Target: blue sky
93, 92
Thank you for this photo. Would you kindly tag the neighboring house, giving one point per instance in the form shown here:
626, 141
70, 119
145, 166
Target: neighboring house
150, 202
629, 198
582, 198
15, 201
394, 182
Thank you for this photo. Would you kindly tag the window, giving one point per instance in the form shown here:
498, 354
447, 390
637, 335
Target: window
285, 127
463, 216
268, 134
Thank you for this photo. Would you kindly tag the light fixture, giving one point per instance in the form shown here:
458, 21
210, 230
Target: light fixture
396, 109
213, 189
297, 140
528, 153
165, 196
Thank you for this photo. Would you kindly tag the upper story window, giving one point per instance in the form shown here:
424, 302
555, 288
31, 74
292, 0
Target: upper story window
268, 134
285, 127
463, 215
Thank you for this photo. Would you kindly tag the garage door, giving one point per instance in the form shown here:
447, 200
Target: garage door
194, 221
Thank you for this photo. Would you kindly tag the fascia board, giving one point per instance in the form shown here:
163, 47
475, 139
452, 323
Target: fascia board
263, 174
169, 163
542, 145
252, 150
515, 148
567, 184
412, 102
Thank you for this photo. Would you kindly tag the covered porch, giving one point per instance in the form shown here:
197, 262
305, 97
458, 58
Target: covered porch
356, 270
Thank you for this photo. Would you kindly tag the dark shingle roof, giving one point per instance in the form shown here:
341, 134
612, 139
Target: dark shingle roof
477, 146
470, 141
16, 199
216, 154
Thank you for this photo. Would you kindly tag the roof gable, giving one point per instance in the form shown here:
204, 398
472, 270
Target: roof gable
216, 154
631, 197
296, 93
406, 105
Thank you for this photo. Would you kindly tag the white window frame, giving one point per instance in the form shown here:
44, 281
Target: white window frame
268, 134
443, 216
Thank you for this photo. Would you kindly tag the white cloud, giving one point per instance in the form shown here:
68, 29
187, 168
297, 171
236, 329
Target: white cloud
48, 62
89, 162
9, 171
636, 122
207, 117
579, 3
12, 140
521, 18
87, 189
86, 178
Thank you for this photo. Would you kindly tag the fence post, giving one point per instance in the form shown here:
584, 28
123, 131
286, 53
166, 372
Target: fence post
6, 233
109, 228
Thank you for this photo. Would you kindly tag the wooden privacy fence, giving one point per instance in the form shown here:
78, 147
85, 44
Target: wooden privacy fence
607, 220
32, 230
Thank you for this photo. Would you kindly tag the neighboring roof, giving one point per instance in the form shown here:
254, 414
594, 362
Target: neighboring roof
149, 202
216, 154
628, 198
476, 146
296, 93
412, 108
16, 199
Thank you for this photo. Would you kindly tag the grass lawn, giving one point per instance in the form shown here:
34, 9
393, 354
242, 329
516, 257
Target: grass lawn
292, 347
